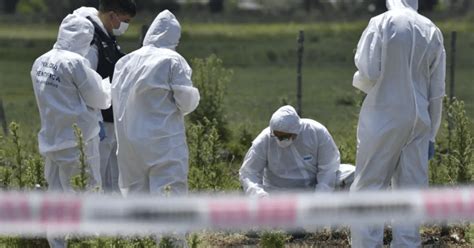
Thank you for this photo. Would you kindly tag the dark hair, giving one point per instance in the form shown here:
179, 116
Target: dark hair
121, 6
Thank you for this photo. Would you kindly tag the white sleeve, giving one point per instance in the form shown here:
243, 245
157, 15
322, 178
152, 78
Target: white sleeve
251, 172
435, 109
328, 162
185, 95
368, 58
186, 98
94, 90
438, 70
437, 86
93, 57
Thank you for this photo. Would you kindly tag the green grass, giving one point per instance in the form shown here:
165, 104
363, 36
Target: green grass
263, 57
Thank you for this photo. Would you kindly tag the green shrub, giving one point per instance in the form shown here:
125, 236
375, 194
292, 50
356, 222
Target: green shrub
462, 146
5, 169
19, 169
240, 144
273, 239
194, 241
211, 78
453, 162
166, 242
36, 170
30, 7
207, 170
80, 182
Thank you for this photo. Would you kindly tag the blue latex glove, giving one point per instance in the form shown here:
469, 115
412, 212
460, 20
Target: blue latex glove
102, 133
431, 150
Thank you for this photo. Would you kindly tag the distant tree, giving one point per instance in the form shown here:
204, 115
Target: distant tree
380, 5
10, 6
92, 3
462, 6
216, 6
427, 5
310, 4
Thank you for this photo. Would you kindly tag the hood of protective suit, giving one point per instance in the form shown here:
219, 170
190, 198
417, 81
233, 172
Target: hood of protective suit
93, 13
165, 31
87, 11
285, 119
400, 4
75, 35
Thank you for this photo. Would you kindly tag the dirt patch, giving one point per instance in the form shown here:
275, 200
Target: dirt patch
431, 238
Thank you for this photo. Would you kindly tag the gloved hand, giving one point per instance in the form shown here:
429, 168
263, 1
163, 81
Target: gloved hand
431, 150
102, 133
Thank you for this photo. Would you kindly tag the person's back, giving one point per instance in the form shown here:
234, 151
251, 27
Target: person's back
152, 91
69, 92
401, 66
410, 51
66, 89
401, 62
146, 94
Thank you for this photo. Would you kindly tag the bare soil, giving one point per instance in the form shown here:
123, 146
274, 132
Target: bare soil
431, 238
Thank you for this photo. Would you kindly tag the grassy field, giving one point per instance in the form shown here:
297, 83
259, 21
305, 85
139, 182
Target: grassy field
263, 58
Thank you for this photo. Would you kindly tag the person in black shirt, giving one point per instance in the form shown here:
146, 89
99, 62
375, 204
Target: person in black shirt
109, 21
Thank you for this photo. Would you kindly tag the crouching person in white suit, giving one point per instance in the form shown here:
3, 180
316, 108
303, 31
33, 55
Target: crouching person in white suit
293, 154
69, 92
152, 91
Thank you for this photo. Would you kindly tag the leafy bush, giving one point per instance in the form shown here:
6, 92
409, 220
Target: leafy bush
273, 239
19, 169
207, 170
194, 241
211, 78
21, 166
241, 142
30, 7
453, 162
461, 142
210, 149
80, 182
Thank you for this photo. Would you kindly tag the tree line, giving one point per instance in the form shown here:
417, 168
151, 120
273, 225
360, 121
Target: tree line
56, 9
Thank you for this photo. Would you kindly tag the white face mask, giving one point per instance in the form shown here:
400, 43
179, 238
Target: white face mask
284, 143
121, 30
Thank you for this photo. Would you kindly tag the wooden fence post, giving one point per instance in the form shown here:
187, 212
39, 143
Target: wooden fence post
299, 92
3, 118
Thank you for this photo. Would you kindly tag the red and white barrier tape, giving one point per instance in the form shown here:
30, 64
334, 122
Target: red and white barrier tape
36, 213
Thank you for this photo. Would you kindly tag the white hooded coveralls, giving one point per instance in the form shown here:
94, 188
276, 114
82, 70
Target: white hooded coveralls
69, 92
309, 163
401, 66
152, 91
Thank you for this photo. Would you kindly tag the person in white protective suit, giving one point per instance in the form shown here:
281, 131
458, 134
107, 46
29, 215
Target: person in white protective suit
292, 154
111, 20
69, 92
152, 91
401, 66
